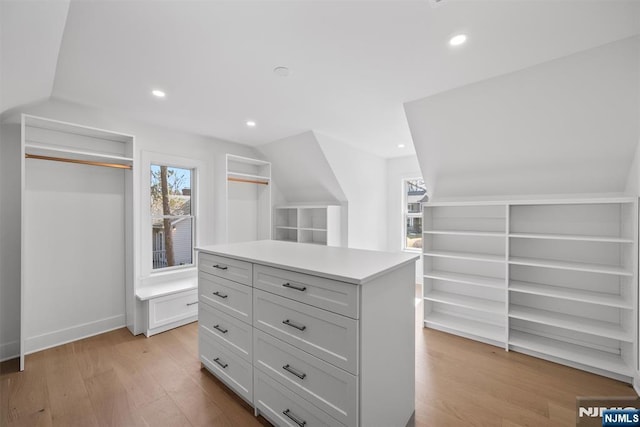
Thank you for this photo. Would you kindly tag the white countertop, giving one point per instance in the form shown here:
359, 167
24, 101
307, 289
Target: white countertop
348, 265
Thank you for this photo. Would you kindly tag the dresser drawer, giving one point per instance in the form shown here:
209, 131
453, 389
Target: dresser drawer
235, 333
329, 336
332, 295
285, 408
225, 295
329, 388
232, 269
172, 308
231, 369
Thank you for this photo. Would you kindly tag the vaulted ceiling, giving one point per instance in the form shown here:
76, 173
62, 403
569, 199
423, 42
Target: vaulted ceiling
352, 63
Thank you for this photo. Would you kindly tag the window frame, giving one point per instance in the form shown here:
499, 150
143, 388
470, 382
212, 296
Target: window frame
406, 214
160, 159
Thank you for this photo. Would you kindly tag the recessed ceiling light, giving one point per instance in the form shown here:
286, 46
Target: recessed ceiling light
401, 145
282, 71
159, 93
250, 123
457, 40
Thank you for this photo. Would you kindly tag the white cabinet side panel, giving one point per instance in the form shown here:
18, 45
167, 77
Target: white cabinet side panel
387, 348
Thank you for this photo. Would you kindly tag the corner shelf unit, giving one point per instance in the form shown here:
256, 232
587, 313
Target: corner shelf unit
248, 197
317, 224
556, 279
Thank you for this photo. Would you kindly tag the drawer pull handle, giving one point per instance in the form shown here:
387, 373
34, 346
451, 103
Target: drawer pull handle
294, 371
293, 325
224, 331
224, 365
220, 267
218, 294
294, 418
297, 288
192, 303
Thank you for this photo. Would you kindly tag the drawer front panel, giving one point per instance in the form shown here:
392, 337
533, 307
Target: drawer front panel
231, 269
285, 408
329, 336
327, 387
172, 308
235, 333
225, 295
338, 297
233, 370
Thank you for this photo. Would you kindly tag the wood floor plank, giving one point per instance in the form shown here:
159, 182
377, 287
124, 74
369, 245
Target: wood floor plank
26, 395
161, 412
109, 400
141, 388
68, 397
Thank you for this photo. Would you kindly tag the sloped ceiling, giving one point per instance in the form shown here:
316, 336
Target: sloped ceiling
353, 63
566, 126
30, 38
302, 171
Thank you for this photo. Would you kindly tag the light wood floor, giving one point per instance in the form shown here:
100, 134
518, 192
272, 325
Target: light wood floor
116, 379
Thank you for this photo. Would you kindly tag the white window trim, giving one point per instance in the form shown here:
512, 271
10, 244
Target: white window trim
405, 215
152, 158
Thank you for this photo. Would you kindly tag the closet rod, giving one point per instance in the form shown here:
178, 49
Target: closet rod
250, 181
83, 162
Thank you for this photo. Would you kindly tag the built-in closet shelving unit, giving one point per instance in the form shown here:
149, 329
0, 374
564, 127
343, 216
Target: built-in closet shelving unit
318, 224
248, 199
556, 279
77, 225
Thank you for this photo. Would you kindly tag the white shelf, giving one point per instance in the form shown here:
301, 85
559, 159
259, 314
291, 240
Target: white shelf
56, 151
468, 326
566, 321
466, 233
247, 176
571, 352
247, 160
469, 279
286, 227
466, 255
474, 303
571, 294
576, 237
570, 265
312, 229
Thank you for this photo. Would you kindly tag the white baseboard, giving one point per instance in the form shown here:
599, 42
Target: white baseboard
9, 350
74, 333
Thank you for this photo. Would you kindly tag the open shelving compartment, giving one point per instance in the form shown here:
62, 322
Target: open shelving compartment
464, 271
83, 180
559, 276
573, 284
248, 196
316, 224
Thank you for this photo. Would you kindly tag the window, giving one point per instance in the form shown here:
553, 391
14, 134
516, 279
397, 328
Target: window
413, 191
172, 219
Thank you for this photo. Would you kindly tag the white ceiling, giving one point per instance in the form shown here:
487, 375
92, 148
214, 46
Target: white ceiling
354, 63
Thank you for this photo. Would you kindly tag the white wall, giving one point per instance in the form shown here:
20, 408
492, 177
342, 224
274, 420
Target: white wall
566, 126
398, 169
633, 180
301, 170
363, 178
212, 205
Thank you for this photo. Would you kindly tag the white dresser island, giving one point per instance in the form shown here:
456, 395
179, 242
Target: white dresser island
311, 335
